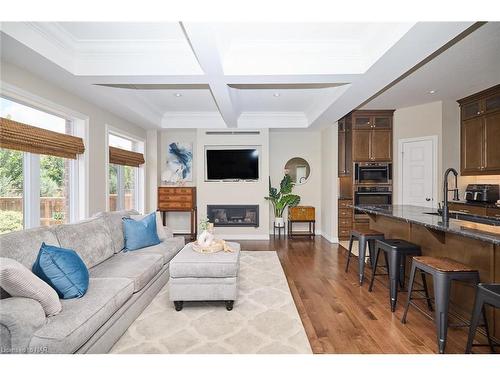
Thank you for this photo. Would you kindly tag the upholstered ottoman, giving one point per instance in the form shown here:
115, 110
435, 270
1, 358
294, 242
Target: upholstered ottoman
198, 276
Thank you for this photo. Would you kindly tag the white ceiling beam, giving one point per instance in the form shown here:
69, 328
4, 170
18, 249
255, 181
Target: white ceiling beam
167, 80
202, 40
292, 79
415, 48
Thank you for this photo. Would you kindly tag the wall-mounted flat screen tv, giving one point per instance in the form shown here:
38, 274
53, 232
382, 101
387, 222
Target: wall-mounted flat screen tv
232, 164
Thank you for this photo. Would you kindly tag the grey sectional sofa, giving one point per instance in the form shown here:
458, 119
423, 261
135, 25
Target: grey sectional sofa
121, 285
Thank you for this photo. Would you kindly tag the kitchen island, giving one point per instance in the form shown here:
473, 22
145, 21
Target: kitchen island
472, 243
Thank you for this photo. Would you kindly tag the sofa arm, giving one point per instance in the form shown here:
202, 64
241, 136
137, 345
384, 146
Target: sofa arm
19, 319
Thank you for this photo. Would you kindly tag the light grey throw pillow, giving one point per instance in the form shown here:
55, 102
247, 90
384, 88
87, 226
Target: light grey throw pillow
19, 281
160, 229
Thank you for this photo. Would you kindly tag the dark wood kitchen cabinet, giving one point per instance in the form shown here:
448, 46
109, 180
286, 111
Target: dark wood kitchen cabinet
372, 135
363, 136
492, 143
361, 145
480, 133
345, 147
381, 145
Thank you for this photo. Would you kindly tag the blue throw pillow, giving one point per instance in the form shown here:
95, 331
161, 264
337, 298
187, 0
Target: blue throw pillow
140, 233
63, 270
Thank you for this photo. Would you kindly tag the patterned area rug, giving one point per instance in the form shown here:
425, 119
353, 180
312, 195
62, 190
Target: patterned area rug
264, 318
355, 247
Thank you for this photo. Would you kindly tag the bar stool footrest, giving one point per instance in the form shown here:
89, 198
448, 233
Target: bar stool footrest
422, 311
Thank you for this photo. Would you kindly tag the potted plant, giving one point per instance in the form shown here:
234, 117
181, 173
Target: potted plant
282, 198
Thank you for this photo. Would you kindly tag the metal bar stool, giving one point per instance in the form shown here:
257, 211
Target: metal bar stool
395, 252
486, 294
443, 271
364, 237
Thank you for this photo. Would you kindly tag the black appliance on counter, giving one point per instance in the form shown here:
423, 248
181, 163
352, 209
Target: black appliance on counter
484, 193
372, 195
372, 173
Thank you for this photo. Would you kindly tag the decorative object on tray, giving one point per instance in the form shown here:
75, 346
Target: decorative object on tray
214, 247
206, 237
179, 163
282, 198
206, 242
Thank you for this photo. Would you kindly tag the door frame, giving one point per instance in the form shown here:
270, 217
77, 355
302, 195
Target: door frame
434, 140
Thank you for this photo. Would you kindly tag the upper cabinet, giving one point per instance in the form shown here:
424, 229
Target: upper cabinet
364, 136
480, 133
345, 147
372, 135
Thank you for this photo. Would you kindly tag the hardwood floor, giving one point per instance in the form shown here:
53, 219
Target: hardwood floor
339, 316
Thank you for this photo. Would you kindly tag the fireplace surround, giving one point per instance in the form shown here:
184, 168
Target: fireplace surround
233, 215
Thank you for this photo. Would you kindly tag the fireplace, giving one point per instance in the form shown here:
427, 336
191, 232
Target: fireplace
233, 215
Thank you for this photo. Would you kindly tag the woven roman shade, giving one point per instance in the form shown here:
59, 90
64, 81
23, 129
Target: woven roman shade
125, 157
21, 137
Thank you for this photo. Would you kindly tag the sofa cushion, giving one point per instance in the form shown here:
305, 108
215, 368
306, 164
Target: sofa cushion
161, 230
90, 239
140, 268
63, 270
19, 281
190, 263
114, 223
81, 318
140, 233
23, 245
167, 249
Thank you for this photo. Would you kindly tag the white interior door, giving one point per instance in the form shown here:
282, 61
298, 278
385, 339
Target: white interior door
418, 167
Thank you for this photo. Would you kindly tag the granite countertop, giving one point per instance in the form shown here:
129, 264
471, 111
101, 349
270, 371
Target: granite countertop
419, 215
478, 204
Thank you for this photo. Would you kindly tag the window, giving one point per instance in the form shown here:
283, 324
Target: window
113, 187
125, 178
130, 181
11, 190
54, 190
36, 189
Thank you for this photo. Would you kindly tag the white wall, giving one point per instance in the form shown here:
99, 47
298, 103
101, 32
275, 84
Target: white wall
98, 118
329, 183
451, 135
306, 144
437, 118
178, 221
235, 192
319, 148
151, 155
221, 192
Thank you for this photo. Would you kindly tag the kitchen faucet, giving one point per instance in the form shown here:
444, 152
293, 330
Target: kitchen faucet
446, 210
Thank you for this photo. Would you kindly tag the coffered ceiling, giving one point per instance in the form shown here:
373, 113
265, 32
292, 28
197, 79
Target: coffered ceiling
258, 75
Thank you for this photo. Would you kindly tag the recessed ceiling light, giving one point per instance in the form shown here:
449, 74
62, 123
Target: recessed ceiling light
276, 94
177, 94
432, 91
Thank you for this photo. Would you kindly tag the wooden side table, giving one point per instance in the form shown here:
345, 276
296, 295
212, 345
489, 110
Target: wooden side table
312, 228
302, 214
179, 199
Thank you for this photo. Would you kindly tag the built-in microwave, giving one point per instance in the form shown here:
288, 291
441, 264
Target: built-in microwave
372, 173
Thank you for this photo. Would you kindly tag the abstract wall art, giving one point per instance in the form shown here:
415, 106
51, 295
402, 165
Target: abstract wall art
179, 163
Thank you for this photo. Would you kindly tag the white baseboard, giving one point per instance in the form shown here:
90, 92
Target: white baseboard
317, 232
331, 239
242, 236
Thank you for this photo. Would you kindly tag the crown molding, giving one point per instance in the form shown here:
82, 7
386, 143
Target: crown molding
107, 56
193, 120
273, 120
